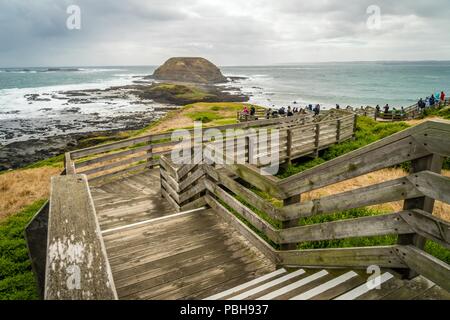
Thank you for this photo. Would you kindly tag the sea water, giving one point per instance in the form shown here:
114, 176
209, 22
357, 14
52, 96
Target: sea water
356, 84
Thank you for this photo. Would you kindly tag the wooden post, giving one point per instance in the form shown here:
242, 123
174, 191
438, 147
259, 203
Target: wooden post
355, 120
150, 157
432, 163
69, 165
289, 147
291, 223
317, 140
338, 131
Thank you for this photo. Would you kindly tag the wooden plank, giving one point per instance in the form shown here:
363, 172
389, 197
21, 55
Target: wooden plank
353, 165
172, 202
245, 212
194, 191
432, 185
36, 238
253, 176
191, 179
328, 286
69, 165
428, 226
118, 173
222, 176
360, 227
400, 147
433, 163
425, 265
410, 289
170, 180
108, 147
200, 202
342, 257
119, 164
112, 156
245, 231
384, 192
77, 265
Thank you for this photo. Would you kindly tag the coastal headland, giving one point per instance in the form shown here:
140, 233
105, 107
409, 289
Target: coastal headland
178, 82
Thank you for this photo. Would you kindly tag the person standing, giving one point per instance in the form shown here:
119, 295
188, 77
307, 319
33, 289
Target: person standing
442, 96
432, 101
289, 112
317, 109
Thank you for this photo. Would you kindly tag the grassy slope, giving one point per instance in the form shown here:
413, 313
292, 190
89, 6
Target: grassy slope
17, 281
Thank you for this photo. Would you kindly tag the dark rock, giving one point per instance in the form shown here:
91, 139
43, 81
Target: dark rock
195, 70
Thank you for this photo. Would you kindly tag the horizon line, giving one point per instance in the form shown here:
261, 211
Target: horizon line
233, 65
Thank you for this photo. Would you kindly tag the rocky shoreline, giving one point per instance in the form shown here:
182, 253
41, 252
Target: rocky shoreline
53, 135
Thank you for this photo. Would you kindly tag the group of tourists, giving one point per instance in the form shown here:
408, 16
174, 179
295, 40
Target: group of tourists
246, 111
289, 111
387, 110
431, 101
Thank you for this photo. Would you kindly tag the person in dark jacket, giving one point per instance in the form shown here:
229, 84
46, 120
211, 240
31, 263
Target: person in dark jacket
432, 101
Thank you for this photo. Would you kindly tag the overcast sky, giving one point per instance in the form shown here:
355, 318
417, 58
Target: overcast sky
228, 32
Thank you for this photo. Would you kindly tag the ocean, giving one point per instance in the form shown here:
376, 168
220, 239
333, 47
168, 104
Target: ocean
356, 84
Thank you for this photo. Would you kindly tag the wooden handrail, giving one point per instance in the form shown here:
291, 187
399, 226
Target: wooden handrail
425, 144
77, 266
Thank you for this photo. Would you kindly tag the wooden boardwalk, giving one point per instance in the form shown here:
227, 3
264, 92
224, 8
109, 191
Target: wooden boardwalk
201, 241
156, 253
129, 200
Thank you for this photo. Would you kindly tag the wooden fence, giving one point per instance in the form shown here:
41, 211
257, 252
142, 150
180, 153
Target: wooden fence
140, 153
411, 112
181, 184
425, 146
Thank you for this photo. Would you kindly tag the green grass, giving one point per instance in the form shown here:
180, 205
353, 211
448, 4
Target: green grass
443, 112
17, 281
54, 162
204, 116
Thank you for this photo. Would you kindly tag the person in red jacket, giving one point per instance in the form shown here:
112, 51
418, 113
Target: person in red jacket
442, 96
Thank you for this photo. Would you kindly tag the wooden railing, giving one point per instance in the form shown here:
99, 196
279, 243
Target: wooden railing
425, 146
411, 112
140, 153
182, 185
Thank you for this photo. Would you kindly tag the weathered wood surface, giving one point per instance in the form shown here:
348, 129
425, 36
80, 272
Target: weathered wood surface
36, 238
77, 265
189, 256
425, 264
69, 165
401, 147
251, 236
130, 200
384, 192
245, 212
343, 257
361, 227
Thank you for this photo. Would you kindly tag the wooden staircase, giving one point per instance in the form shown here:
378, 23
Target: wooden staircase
332, 284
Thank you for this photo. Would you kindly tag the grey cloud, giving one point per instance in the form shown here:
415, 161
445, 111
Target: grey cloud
228, 32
